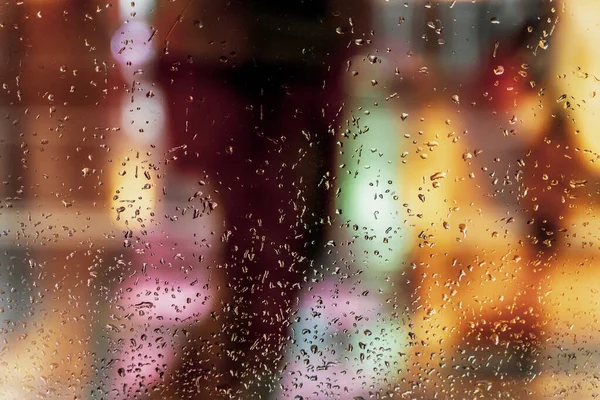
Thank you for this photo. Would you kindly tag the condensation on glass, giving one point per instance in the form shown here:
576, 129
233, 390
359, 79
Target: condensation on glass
300, 199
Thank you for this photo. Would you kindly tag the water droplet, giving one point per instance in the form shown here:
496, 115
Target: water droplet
495, 338
575, 183
144, 304
438, 175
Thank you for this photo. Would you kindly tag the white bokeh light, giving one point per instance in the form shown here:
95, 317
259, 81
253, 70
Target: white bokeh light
144, 119
140, 8
129, 44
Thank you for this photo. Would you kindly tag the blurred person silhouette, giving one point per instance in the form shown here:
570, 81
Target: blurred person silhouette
254, 91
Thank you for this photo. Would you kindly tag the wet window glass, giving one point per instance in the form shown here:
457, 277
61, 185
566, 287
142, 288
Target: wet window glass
299, 199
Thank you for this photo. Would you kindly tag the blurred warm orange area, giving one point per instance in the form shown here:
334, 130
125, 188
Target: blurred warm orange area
576, 67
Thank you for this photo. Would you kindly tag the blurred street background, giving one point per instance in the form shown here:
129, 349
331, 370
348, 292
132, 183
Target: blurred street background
299, 199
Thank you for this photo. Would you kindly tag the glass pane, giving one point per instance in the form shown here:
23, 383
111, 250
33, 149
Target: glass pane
300, 199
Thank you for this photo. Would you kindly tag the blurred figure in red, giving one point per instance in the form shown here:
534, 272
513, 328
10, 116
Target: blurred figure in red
254, 91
